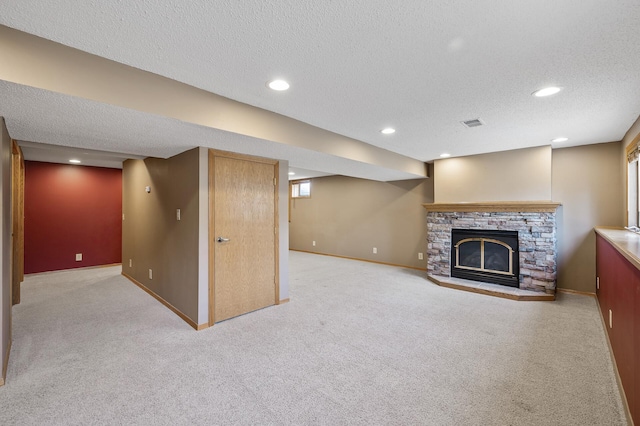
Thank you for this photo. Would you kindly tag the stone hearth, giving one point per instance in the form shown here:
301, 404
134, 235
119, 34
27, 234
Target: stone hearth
535, 223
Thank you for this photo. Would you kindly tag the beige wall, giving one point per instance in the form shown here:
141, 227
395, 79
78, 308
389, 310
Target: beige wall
5, 246
586, 180
349, 216
177, 251
518, 175
153, 238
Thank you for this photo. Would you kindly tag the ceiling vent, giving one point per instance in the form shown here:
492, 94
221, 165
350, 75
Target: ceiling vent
476, 122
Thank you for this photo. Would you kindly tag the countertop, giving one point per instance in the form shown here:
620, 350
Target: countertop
626, 242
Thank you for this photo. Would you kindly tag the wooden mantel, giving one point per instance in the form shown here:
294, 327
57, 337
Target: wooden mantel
495, 206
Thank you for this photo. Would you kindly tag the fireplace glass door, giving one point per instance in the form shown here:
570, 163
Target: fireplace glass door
485, 255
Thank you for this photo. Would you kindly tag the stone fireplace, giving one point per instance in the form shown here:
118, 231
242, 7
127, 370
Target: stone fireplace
533, 224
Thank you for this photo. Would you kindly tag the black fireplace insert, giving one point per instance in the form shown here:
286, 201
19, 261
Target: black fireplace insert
485, 255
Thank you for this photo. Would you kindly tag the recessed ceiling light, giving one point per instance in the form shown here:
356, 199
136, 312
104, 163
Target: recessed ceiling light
74, 161
559, 140
445, 155
291, 173
278, 85
547, 91
388, 131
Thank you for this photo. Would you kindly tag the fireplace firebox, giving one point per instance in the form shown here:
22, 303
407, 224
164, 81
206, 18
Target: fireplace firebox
490, 256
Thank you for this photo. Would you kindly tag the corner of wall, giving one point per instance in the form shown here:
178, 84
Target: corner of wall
632, 133
5, 247
203, 235
586, 180
155, 239
283, 227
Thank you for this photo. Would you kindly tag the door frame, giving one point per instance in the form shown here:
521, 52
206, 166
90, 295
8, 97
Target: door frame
213, 153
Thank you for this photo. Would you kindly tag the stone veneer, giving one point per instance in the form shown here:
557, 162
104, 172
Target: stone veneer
536, 240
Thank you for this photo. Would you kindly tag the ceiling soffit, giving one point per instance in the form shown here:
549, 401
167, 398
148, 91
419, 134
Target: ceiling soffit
75, 73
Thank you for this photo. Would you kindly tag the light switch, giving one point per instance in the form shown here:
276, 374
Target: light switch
178, 214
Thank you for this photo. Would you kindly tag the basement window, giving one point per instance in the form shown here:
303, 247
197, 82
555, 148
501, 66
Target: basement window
301, 189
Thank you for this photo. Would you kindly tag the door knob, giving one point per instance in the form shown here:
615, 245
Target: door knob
222, 240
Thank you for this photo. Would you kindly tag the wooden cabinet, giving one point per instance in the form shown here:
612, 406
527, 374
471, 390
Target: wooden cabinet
619, 299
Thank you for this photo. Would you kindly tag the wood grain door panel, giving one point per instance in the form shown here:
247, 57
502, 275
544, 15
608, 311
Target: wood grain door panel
244, 213
17, 205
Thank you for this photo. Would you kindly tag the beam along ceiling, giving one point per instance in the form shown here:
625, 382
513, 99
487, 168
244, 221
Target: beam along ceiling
354, 68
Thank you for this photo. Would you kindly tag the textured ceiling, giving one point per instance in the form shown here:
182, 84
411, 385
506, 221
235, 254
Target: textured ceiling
358, 66
48, 153
133, 134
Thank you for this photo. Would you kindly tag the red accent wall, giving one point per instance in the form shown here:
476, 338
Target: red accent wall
71, 209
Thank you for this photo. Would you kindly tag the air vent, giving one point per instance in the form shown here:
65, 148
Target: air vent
476, 122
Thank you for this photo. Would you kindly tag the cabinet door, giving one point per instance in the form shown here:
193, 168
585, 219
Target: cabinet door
634, 404
605, 273
622, 303
619, 293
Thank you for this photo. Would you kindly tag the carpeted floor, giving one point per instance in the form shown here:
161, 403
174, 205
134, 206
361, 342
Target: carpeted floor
359, 343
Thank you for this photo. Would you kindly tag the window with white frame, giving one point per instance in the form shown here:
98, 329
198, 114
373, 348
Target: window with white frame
633, 186
301, 189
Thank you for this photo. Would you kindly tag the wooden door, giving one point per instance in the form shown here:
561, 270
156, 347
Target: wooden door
17, 205
243, 241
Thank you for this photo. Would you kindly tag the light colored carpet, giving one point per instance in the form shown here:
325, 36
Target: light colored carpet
359, 343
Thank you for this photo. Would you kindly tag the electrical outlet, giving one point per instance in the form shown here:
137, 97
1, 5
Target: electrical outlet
78, 257
150, 274
130, 263
314, 243
597, 283
420, 256
375, 250
610, 319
